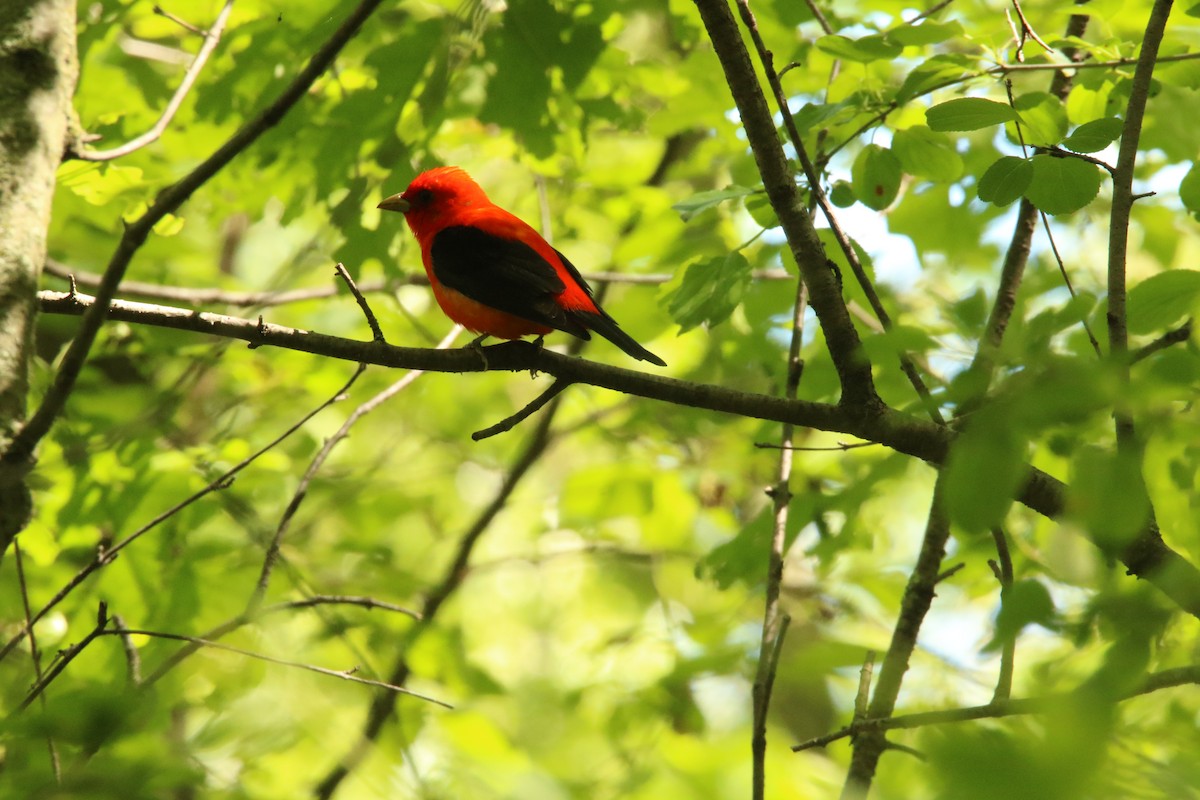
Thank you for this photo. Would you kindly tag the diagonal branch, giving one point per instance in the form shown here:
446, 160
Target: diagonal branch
814, 184
20, 450
853, 367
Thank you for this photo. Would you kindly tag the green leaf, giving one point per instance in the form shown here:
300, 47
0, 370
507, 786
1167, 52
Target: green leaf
1025, 602
1189, 189
1107, 497
864, 50
1061, 185
702, 201
925, 33
842, 194
927, 154
1005, 180
710, 291
968, 114
937, 71
1094, 136
984, 469
1162, 300
1043, 120
876, 177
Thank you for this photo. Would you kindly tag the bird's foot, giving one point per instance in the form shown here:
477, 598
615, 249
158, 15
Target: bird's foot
539, 343
476, 344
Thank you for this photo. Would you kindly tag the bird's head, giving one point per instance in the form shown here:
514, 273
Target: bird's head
435, 196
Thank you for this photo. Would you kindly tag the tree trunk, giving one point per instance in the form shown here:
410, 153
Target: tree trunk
38, 72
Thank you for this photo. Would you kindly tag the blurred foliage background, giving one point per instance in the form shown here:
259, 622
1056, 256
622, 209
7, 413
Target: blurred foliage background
601, 641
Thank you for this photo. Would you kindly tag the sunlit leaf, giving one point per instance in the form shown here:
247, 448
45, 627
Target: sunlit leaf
968, 114
1162, 300
1061, 185
1005, 181
876, 175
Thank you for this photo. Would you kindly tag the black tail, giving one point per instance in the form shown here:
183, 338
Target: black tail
607, 327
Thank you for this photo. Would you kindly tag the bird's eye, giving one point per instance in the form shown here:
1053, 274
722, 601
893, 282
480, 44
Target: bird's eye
423, 198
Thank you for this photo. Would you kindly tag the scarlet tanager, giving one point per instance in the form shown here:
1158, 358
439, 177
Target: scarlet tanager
492, 273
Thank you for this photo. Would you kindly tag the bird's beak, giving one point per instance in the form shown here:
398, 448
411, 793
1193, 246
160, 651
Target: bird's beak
394, 203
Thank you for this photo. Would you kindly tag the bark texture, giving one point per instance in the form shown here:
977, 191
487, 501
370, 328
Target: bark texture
38, 72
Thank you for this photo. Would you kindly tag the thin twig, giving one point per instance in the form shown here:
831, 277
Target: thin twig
1122, 207
775, 620
183, 23
1158, 681
341, 674
510, 422
65, 657
211, 38
914, 605
862, 697
1171, 337
1003, 569
133, 659
34, 653
842, 446
376, 331
246, 617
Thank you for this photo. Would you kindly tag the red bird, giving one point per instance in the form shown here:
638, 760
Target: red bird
492, 273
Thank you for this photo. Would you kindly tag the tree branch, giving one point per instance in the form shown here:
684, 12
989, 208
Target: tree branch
914, 605
1149, 557
853, 367
1166, 679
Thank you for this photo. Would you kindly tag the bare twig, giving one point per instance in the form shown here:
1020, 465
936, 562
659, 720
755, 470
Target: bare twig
376, 331
914, 605
211, 38
510, 422
183, 23
133, 659
1167, 679
862, 697
246, 617
341, 674
35, 654
842, 446
1122, 207
1016, 258
65, 657
1002, 567
21, 448
775, 620
1175, 336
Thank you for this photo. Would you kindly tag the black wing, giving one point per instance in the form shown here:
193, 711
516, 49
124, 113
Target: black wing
501, 273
